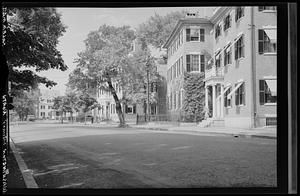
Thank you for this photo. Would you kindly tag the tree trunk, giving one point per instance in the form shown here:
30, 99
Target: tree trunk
62, 118
72, 117
85, 118
118, 105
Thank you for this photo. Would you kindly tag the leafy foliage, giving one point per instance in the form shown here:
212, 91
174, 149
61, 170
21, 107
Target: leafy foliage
104, 59
158, 28
25, 102
31, 38
193, 104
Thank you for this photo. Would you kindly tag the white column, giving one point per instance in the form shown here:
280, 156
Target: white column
206, 97
222, 101
214, 100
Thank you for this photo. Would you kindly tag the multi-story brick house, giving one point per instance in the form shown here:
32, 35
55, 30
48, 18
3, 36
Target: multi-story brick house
44, 108
242, 75
189, 47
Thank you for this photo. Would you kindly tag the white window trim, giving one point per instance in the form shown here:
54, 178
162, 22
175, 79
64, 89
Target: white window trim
195, 53
270, 104
270, 77
269, 11
270, 53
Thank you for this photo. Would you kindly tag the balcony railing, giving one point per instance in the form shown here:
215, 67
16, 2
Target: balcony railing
214, 71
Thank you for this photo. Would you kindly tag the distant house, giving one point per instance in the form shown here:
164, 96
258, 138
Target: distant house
44, 108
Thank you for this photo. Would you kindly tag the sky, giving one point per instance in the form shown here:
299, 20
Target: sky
80, 21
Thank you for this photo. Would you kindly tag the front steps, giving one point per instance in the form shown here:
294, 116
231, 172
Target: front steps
210, 122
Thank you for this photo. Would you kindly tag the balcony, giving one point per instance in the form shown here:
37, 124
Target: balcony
214, 73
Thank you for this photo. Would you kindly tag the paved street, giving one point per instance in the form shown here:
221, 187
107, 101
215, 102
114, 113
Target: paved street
70, 156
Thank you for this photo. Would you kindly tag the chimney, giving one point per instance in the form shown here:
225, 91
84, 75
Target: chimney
192, 15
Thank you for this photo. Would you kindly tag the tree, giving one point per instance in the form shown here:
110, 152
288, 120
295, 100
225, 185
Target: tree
31, 37
140, 63
104, 59
58, 104
158, 28
71, 101
26, 102
87, 103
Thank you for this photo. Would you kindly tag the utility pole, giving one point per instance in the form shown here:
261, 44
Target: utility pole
148, 93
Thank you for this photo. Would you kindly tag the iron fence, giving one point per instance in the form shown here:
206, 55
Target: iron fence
169, 118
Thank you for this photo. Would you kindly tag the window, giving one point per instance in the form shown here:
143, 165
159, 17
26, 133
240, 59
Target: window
171, 101
178, 68
202, 63
239, 13
218, 59
174, 71
202, 35
174, 100
192, 35
43, 106
218, 31
262, 8
227, 100
239, 48
240, 95
227, 56
271, 121
227, 22
182, 69
267, 91
181, 36
49, 107
192, 62
179, 99
267, 41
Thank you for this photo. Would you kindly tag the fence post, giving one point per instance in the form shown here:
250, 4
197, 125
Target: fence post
137, 119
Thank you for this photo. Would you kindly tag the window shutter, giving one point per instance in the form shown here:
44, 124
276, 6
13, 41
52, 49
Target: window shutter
235, 51
242, 46
188, 63
188, 35
236, 14
260, 41
237, 97
242, 10
243, 94
261, 92
202, 35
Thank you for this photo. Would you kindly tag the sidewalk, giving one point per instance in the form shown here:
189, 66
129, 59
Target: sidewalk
262, 132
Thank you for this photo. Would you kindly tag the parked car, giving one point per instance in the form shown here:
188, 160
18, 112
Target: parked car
31, 118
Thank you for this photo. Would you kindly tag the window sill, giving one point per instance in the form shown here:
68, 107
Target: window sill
270, 104
240, 59
269, 11
238, 20
270, 54
240, 105
228, 64
228, 107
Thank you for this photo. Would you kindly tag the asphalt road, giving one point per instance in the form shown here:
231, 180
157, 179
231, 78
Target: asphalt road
66, 156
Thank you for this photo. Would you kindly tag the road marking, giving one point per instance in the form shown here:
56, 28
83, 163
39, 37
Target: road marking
60, 165
107, 143
180, 147
56, 171
71, 185
108, 154
149, 164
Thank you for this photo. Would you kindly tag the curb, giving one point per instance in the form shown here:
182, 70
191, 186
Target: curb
229, 134
26, 173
